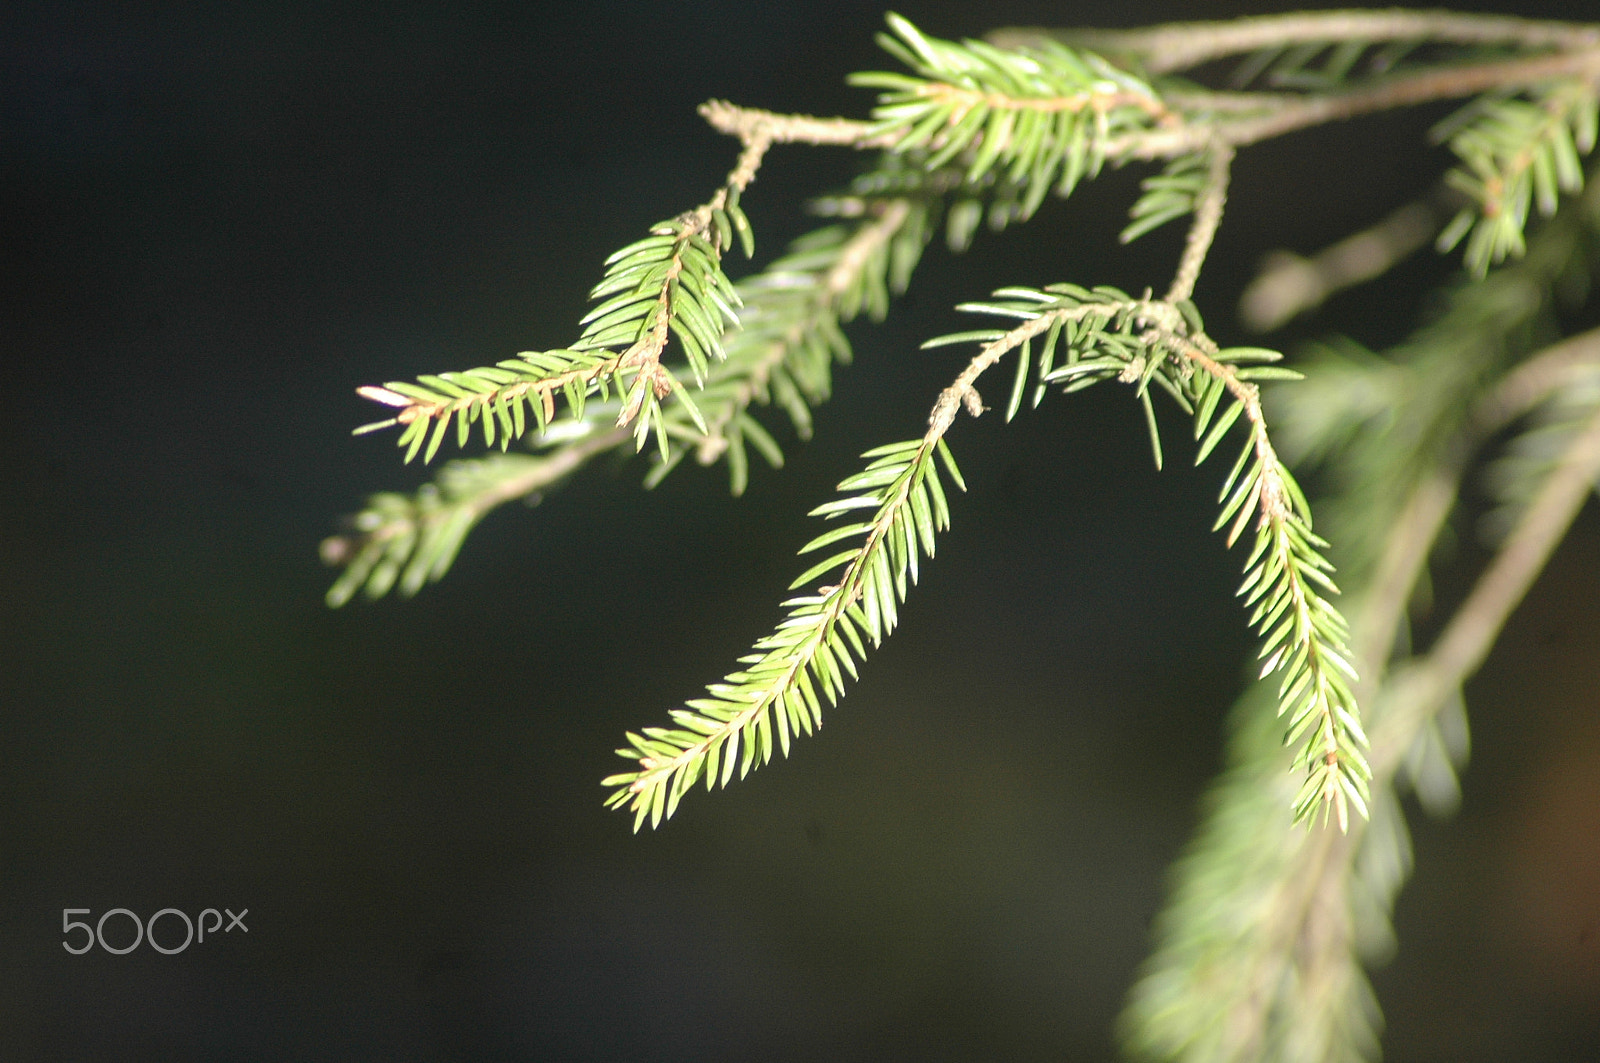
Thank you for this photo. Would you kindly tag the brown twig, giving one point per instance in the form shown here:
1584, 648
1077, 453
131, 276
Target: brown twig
1181, 45
747, 123
1285, 114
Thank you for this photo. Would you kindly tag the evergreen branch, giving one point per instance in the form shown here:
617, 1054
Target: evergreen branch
1182, 45
1347, 888
1262, 943
1306, 638
1055, 115
1280, 955
782, 353
1421, 730
1042, 118
670, 283
1031, 107
1259, 944
1052, 116
791, 672
1140, 341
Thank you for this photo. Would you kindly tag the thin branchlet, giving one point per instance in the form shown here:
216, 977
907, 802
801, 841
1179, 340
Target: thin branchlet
1207, 220
1183, 45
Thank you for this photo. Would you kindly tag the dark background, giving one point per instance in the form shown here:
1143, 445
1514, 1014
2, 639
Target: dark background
218, 220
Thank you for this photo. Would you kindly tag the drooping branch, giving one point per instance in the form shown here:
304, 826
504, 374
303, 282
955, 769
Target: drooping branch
1306, 934
1267, 947
1145, 342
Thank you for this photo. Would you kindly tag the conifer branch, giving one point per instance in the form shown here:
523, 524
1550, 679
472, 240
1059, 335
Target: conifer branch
781, 354
790, 673
1305, 637
670, 283
989, 106
1029, 122
1260, 946
1290, 987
